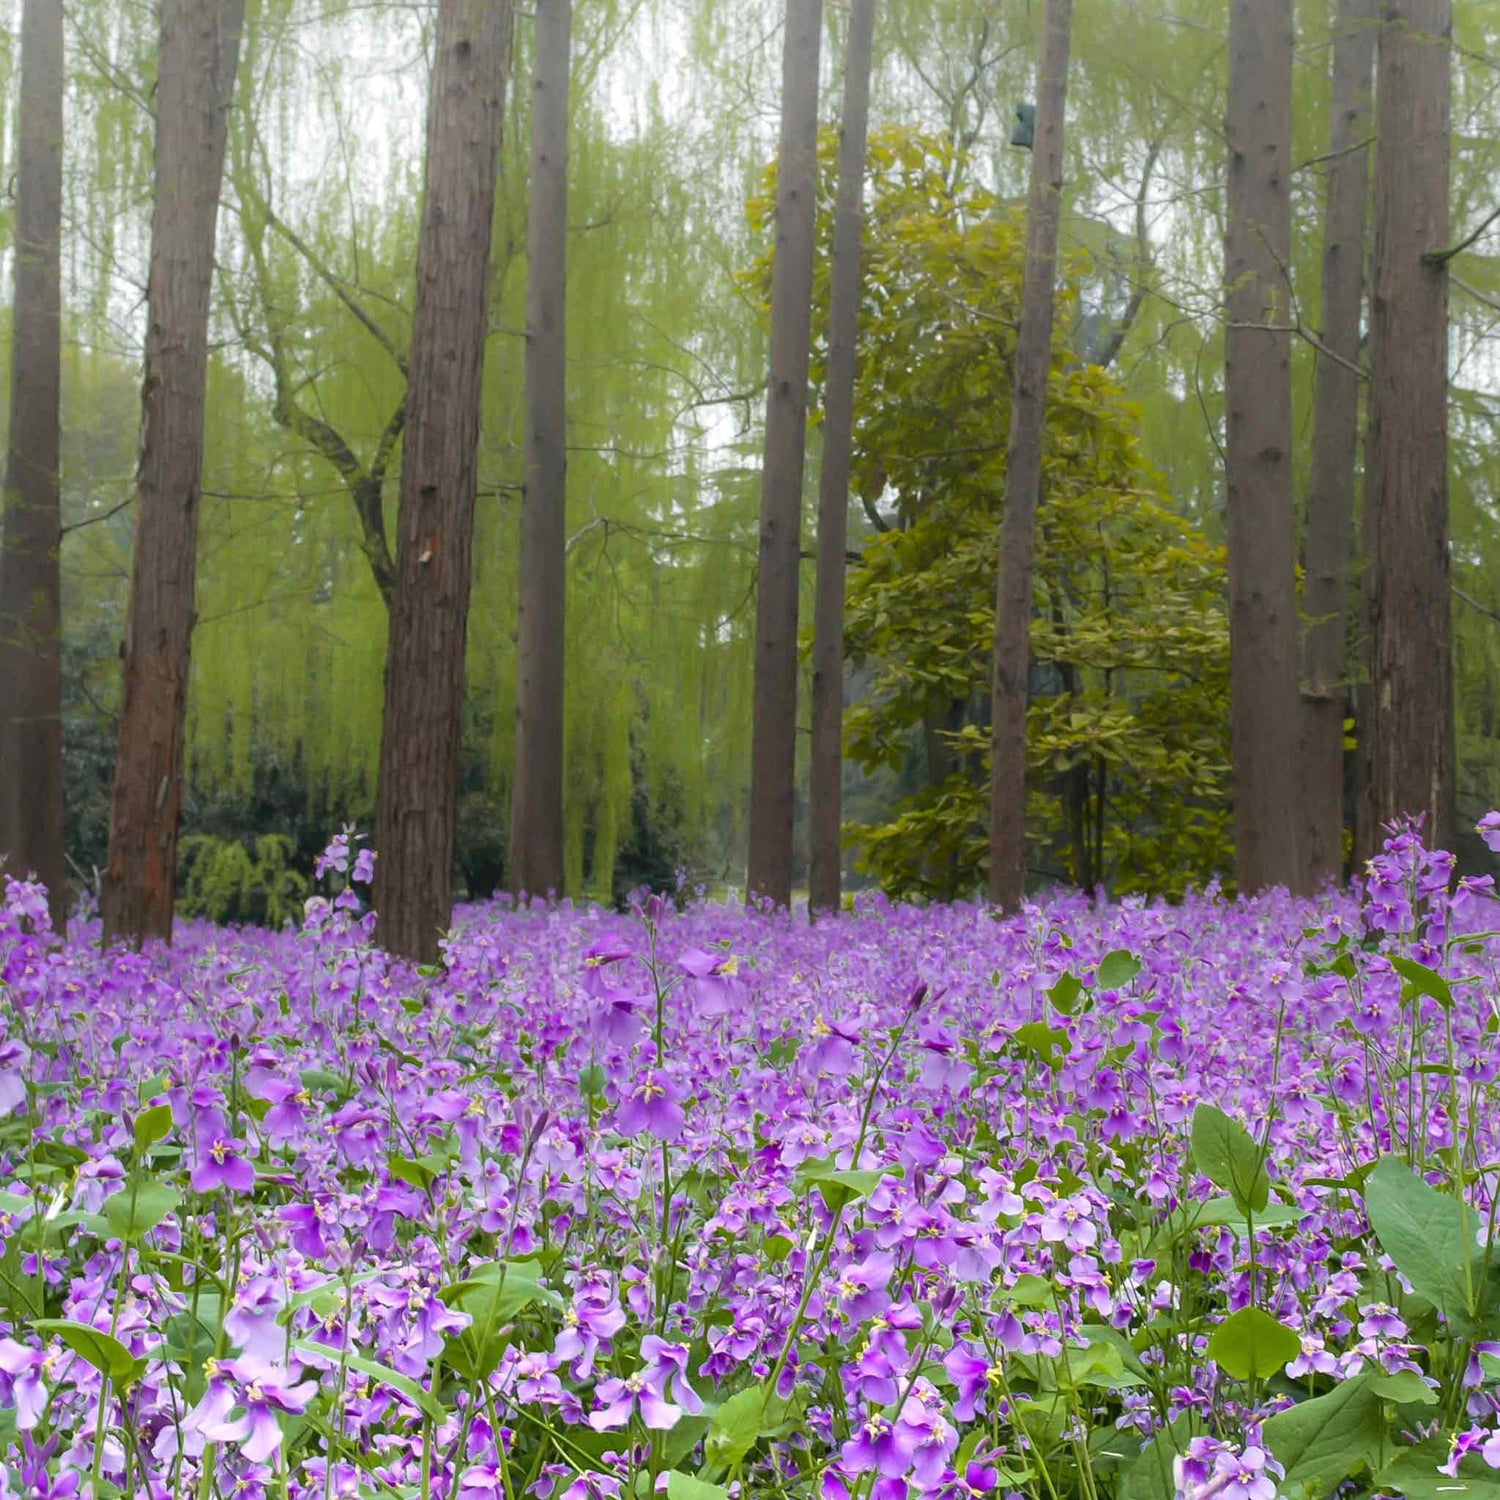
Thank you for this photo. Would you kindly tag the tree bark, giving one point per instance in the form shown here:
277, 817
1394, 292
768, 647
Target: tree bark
773, 748
1410, 747
200, 42
1330, 499
416, 798
536, 801
1263, 675
825, 846
31, 796
1023, 471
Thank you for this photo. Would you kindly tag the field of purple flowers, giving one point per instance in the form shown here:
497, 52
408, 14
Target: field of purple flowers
1132, 1200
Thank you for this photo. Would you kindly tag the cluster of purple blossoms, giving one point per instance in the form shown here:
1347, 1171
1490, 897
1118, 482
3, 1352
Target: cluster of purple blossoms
610, 1205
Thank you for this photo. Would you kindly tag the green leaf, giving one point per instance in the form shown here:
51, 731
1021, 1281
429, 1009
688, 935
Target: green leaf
415, 1174
1227, 1155
1046, 1043
1416, 1475
1322, 1442
1064, 994
135, 1211
841, 1187
106, 1354
424, 1400
152, 1125
682, 1486
492, 1297
1117, 969
1418, 979
1432, 1239
736, 1427
1404, 1387
1251, 1344
683, 1438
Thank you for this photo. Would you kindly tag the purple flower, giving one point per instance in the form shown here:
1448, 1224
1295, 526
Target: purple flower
1488, 828
651, 1107
1246, 1476
648, 1389
862, 1286
593, 1317
14, 1058
597, 962
878, 1445
219, 1165
716, 981
24, 1367
264, 1390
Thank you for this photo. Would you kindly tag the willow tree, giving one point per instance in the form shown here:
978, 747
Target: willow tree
31, 797
1330, 498
1410, 722
416, 798
200, 41
773, 754
825, 862
536, 796
1023, 470
1263, 674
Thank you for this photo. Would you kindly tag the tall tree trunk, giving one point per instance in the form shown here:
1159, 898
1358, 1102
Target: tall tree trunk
200, 43
1023, 470
536, 800
1330, 500
31, 796
1263, 674
1410, 728
773, 747
825, 863
417, 797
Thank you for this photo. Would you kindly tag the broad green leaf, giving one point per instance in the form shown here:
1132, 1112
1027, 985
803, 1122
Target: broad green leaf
417, 1174
684, 1437
106, 1354
736, 1427
1251, 1344
137, 1209
152, 1125
424, 1400
1064, 994
1046, 1043
1415, 1474
1418, 979
492, 1297
1322, 1442
1117, 969
682, 1486
1227, 1155
1432, 1239
841, 1187
1029, 1291
1403, 1387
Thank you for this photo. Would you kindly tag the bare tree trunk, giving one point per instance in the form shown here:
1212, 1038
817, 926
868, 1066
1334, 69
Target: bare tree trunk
825, 864
1023, 471
1411, 658
773, 749
200, 42
31, 783
536, 800
1330, 500
417, 797
1263, 673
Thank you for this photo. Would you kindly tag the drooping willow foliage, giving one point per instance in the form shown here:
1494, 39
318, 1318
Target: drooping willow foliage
673, 119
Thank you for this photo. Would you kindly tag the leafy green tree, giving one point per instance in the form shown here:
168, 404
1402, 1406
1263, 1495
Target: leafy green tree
1127, 730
